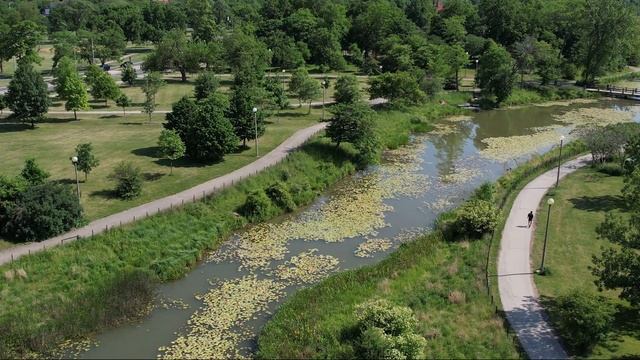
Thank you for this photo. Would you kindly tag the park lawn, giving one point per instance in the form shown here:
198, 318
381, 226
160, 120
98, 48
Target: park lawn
581, 202
115, 139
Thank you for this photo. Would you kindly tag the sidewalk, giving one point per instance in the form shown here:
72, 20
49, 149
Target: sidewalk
173, 201
515, 275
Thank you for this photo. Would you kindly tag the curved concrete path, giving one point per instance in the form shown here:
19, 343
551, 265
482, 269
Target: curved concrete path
515, 277
173, 201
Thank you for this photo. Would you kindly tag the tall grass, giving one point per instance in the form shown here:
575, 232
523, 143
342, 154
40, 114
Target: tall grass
534, 95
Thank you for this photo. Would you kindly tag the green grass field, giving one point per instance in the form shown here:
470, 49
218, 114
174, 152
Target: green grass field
581, 202
116, 138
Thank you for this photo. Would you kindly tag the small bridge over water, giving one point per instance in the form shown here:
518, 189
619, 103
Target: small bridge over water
614, 91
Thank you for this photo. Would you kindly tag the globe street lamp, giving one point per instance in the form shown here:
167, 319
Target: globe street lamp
255, 124
283, 71
550, 202
559, 160
476, 77
74, 161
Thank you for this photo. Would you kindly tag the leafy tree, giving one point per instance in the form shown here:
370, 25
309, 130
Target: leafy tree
397, 57
87, 160
109, 43
355, 55
65, 43
457, 58
496, 73
398, 88
347, 90
76, 95
421, 13
152, 83
243, 100
505, 20
248, 58
129, 74
175, 51
203, 127
103, 86
354, 123
476, 217
303, 86
33, 173
28, 97
62, 73
171, 146
524, 53
604, 26
128, 178
378, 20
40, 212
22, 39
276, 94
206, 84
548, 62
454, 31
124, 102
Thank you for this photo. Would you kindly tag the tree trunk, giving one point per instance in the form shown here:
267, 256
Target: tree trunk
85, 177
170, 166
75, 115
1, 66
184, 75
33, 123
457, 80
124, 111
149, 117
106, 102
309, 111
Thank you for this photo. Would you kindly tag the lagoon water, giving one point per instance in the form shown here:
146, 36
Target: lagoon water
434, 174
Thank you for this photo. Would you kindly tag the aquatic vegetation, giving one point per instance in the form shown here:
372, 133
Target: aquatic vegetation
443, 129
459, 175
226, 307
567, 102
371, 246
513, 147
459, 118
439, 205
596, 116
71, 349
168, 304
307, 267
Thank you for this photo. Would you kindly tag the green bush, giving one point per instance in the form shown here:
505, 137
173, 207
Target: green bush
128, 180
583, 319
40, 212
281, 197
257, 207
485, 192
611, 168
476, 217
387, 332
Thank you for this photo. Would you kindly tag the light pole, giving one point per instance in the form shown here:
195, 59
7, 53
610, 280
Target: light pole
550, 202
475, 81
283, 71
559, 160
255, 124
324, 90
74, 161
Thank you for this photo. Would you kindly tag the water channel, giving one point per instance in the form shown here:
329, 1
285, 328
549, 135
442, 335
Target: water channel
220, 306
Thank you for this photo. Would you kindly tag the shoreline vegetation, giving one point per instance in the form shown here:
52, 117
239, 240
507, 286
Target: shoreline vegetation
101, 282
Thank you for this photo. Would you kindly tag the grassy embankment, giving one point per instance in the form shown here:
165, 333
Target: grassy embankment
77, 289
521, 96
581, 202
423, 275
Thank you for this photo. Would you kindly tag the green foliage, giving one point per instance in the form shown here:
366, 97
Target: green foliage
548, 62
87, 160
129, 74
583, 319
347, 90
206, 84
102, 85
486, 192
399, 88
247, 56
476, 217
128, 178
387, 332
203, 127
304, 87
612, 169
152, 83
243, 100
124, 102
33, 173
3, 103
257, 207
281, 197
40, 212
276, 94
605, 143
496, 73
353, 123
27, 95
76, 94
177, 52
62, 73
171, 146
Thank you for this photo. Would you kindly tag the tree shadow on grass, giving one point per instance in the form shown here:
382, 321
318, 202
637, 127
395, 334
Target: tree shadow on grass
13, 127
67, 181
57, 120
110, 116
105, 194
328, 152
132, 123
598, 203
291, 114
151, 151
153, 176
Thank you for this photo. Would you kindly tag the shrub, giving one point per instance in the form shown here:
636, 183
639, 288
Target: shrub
281, 197
206, 84
40, 212
583, 319
257, 207
476, 217
33, 173
569, 71
485, 192
387, 332
302, 193
612, 169
129, 180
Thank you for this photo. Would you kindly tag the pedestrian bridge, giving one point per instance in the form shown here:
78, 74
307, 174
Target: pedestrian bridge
618, 92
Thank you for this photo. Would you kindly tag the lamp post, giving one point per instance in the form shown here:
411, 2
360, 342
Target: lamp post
550, 202
324, 90
559, 160
74, 161
255, 124
283, 71
475, 83
380, 69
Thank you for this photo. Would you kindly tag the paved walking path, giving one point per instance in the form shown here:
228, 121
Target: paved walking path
517, 290
172, 201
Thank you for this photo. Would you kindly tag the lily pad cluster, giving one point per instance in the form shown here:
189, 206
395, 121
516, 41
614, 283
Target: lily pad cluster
212, 331
307, 267
371, 246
